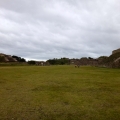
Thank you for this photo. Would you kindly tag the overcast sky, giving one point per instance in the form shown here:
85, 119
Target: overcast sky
45, 29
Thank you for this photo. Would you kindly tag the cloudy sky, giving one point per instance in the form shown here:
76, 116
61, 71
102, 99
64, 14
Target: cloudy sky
45, 29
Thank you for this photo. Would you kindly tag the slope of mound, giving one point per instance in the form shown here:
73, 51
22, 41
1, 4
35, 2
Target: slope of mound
113, 57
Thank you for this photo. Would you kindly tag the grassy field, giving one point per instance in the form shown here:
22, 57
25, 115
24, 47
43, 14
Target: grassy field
59, 93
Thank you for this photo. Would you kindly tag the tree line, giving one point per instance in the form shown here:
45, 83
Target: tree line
61, 61
19, 59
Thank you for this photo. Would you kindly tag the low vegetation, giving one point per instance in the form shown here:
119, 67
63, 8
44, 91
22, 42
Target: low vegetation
59, 93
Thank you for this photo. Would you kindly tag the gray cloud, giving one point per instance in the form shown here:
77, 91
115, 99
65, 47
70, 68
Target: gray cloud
52, 29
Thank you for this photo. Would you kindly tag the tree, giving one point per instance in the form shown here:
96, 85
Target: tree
31, 62
19, 59
61, 61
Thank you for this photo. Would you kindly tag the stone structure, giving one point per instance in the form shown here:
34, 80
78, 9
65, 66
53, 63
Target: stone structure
7, 58
42, 63
84, 61
116, 51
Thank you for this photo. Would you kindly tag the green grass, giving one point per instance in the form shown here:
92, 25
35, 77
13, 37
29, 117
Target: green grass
59, 93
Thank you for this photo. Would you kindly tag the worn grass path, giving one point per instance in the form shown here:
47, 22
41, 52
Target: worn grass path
59, 93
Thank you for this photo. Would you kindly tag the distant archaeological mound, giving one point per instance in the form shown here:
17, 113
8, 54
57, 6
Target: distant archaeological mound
6, 58
116, 51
